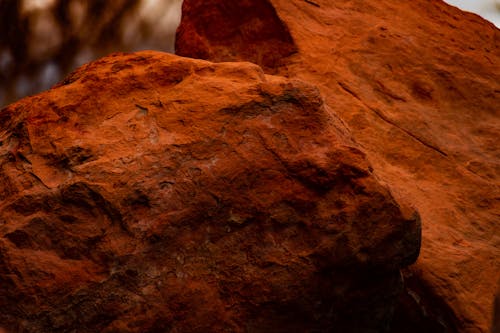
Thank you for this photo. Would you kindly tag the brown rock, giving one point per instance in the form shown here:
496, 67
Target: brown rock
153, 193
495, 325
418, 84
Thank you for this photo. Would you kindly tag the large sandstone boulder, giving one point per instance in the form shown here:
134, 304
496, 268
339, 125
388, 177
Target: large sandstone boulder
418, 84
153, 193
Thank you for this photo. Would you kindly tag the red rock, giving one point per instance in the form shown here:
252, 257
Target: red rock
249, 30
418, 84
153, 193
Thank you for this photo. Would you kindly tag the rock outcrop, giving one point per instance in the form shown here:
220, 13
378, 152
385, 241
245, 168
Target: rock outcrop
418, 84
153, 193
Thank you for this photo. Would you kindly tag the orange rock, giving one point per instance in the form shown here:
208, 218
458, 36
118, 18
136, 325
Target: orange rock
418, 84
153, 193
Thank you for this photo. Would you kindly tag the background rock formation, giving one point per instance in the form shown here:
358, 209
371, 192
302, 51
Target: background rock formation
153, 193
418, 83
249, 30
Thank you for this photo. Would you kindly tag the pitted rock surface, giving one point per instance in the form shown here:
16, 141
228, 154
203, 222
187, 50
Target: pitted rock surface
153, 193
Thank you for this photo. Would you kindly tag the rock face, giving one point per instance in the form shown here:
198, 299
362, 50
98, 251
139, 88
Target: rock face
418, 84
249, 30
153, 193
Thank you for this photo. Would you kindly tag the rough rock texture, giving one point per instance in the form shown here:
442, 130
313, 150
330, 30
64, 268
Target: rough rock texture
153, 193
418, 84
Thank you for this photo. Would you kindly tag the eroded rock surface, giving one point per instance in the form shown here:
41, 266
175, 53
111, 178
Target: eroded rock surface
418, 84
153, 193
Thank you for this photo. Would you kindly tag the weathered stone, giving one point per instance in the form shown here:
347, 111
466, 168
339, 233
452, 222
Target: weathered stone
153, 193
418, 84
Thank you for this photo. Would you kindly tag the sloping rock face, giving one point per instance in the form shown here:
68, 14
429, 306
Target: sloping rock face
418, 84
153, 193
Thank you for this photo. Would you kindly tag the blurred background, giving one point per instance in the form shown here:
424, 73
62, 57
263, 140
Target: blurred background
41, 41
